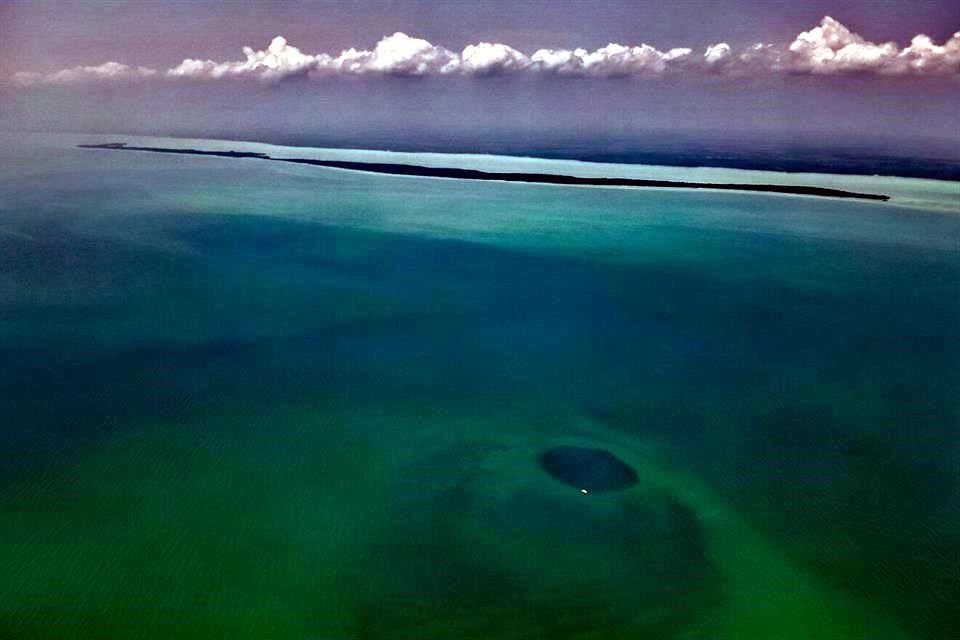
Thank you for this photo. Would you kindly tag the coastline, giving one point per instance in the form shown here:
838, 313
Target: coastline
500, 176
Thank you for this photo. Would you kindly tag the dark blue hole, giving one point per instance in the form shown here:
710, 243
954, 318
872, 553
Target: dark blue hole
588, 469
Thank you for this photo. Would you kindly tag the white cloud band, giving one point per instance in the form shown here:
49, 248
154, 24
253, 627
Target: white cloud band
829, 48
73, 75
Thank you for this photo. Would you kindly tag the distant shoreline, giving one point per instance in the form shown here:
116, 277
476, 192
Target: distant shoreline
533, 178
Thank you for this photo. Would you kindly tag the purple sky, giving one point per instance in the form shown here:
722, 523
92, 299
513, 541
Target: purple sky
306, 85
42, 35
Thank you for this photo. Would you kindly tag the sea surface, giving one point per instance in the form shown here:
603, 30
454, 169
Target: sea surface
797, 151
249, 399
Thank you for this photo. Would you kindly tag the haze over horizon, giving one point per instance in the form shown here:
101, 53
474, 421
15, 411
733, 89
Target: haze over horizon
406, 72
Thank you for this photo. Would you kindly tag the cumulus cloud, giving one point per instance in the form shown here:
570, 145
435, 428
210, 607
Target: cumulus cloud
832, 48
398, 54
828, 48
278, 61
716, 54
106, 71
611, 60
486, 58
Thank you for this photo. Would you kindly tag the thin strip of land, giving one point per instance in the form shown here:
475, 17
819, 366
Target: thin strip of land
473, 174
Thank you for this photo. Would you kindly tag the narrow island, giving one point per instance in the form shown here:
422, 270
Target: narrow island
473, 174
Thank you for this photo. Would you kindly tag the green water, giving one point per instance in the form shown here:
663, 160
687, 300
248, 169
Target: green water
246, 400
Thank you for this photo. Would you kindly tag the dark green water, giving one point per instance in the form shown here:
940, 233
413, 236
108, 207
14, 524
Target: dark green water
252, 401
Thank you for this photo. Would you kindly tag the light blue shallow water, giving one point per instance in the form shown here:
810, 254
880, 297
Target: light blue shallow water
245, 399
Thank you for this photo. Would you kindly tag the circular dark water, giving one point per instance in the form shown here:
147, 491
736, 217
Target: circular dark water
588, 469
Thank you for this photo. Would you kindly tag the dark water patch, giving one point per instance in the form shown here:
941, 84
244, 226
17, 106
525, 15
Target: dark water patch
588, 469
487, 547
427, 306
877, 482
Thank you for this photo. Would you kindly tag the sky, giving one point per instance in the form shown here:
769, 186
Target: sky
868, 67
42, 35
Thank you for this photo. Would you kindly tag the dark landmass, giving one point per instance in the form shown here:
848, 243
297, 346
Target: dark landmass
473, 174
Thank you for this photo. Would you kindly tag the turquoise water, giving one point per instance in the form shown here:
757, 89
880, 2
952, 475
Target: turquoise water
250, 400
